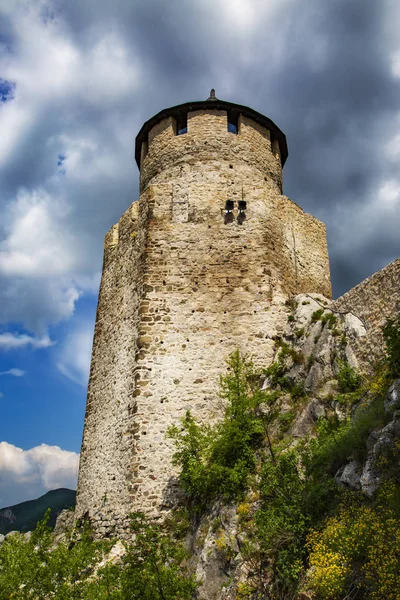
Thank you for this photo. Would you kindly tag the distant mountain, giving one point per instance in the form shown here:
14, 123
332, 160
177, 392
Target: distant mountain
24, 516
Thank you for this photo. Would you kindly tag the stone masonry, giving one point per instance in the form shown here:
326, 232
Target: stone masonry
374, 300
200, 265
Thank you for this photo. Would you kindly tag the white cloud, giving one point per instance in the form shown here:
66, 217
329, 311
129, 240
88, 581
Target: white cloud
52, 230
27, 474
1, 395
75, 353
14, 372
13, 341
36, 243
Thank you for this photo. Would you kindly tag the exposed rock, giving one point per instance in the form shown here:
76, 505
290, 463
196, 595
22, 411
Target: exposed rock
392, 400
218, 553
307, 419
2, 538
349, 475
380, 444
11, 534
354, 326
65, 520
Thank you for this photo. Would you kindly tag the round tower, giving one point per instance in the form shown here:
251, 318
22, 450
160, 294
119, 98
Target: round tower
199, 266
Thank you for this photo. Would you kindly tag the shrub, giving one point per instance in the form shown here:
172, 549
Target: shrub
153, 567
358, 549
317, 314
391, 334
329, 318
339, 440
218, 461
348, 378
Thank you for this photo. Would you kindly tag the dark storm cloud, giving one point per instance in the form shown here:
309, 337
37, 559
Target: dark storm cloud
321, 71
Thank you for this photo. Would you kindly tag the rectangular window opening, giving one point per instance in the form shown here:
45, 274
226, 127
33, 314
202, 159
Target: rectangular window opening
233, 124
181, 125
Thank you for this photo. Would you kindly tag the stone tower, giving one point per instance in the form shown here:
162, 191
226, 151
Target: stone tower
200, 265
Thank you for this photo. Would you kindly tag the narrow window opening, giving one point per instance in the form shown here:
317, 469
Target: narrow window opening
181, 125
233, 125
229, 206
242, 205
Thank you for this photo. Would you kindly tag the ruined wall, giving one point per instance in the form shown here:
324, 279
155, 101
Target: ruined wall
178, 296
373, 300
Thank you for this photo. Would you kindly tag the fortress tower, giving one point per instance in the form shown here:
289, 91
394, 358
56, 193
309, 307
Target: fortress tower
200, 265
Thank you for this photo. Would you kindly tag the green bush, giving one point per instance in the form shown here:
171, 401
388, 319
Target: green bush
329, 318
339, 440
391, 334
356, 554
32, 569
153, 568
218, 461
348, 378
317, 314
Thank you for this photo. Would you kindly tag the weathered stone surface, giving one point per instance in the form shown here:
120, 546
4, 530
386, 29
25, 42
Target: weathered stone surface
305, 423
65, 521
350, 475
372, 302
392, 400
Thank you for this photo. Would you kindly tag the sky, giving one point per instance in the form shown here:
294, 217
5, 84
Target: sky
77, 81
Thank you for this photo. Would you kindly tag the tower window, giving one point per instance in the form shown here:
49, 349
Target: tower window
229, 205
242, 205
232, 123
181, 125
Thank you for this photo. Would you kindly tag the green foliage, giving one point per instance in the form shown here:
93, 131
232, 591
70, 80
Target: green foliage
317, 314
391, 334
348, 378
218, 461
290, 318
339, 440
300, 332
33, 569
277, 371
357, 551
297, 391
153, 568
292, 499
329, 318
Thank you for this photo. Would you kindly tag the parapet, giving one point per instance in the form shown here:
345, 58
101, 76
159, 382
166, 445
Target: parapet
211, 133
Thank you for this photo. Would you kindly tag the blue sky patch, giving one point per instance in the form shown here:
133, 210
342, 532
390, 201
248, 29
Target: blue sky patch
7, 89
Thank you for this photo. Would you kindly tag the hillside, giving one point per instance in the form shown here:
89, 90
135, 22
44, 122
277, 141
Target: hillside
24, 516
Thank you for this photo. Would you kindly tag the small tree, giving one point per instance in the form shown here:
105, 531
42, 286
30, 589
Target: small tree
391, 334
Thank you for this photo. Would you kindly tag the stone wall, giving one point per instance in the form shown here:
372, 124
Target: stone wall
184, 284
209, 151
107, 447
373, 300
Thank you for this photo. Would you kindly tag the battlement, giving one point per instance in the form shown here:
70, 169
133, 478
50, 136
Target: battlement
214, 138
